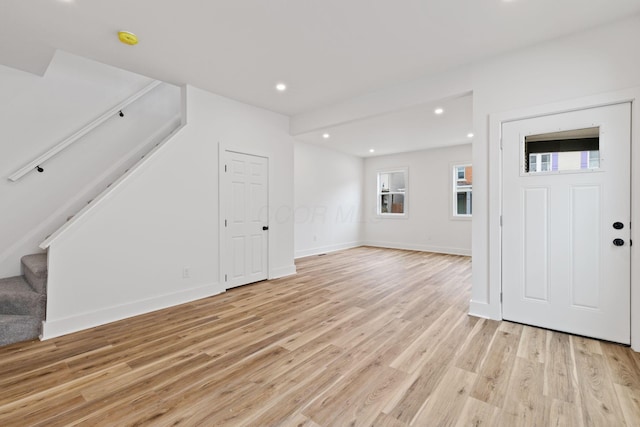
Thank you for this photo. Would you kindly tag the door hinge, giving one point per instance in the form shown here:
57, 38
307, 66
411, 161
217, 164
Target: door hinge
225, 277
225, 222
500, 296
500, 220
225, 168
501, 142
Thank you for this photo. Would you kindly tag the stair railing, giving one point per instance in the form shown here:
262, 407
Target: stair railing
36, 163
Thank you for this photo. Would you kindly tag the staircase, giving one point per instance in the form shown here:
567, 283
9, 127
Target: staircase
23, 301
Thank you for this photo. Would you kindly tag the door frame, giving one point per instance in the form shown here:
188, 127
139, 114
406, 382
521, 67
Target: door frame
494, 304
222, 149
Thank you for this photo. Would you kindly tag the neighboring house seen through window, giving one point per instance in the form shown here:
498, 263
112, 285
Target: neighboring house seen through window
392, 193
462, 190
540, 162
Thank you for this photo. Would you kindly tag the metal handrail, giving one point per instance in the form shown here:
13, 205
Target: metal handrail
37, 162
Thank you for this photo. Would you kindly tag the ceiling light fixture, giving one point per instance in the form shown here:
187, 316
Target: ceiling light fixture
326, 136
470, 135
371, 150
127, 37
281, 87
438, 111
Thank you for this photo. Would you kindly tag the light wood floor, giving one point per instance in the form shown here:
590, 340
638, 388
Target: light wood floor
359, 337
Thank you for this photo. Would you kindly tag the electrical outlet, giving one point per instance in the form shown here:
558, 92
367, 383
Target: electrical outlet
186, 272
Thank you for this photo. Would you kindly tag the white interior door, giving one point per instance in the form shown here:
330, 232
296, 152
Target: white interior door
245, 251
566, 199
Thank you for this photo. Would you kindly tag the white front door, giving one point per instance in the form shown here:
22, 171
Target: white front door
566, 219
246, 208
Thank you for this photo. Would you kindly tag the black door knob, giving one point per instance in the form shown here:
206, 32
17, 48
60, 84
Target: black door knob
265, 228
618, 225
618, 242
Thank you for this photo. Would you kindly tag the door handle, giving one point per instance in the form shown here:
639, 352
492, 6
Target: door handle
618, 242
265, 227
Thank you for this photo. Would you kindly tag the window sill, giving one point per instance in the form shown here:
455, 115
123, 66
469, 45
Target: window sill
392, 216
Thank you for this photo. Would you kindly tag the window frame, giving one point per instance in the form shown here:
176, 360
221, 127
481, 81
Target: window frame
591, 157
539, 163
455, 190
380, 193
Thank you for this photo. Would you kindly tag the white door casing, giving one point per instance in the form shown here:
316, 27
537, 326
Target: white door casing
245, 212
560, 268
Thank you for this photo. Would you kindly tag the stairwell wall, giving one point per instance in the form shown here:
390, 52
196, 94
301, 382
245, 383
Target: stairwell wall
126, 256
38, 112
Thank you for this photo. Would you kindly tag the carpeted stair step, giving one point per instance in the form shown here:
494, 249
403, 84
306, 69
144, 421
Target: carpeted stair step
34, 268
17, 328
23, 301
17, 297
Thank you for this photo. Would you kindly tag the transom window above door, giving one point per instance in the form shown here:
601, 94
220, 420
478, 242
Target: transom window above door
575, 150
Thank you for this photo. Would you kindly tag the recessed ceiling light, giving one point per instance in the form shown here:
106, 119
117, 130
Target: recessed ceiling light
281, 87
326, 136
470, 135
371, 150
438, 111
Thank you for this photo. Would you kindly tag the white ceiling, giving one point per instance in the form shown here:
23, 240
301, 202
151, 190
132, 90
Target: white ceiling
326, 51
413, 129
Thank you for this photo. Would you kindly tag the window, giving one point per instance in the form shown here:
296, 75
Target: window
540, 162
462, 190
576, 150
593, 159
392, 193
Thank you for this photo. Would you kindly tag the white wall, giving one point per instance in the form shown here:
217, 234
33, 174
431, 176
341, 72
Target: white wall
429, 225
126, 256
328, 199
595, 62
38, 112
252, 130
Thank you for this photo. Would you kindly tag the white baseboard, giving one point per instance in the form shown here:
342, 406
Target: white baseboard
279, 272
58, 327
326, 249
422, 248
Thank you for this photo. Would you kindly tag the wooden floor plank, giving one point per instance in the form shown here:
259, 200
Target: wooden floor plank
622, 367
365, 336
533, 344
444, 406
475, 347
600, 405
559, 368
629, 399
525, 403
494, 375
477, 413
